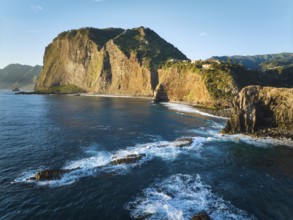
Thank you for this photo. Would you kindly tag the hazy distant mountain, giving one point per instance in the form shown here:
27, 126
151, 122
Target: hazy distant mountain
279, 67
19, 76
261, 62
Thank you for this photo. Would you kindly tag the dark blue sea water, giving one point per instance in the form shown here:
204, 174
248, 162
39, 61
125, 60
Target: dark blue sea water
230, 177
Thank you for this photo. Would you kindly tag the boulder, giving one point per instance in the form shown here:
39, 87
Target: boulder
46, 175
258, 108
183, 142
201, 216
128, 159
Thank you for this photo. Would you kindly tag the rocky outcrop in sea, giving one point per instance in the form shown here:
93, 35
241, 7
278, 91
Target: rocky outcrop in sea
262, 111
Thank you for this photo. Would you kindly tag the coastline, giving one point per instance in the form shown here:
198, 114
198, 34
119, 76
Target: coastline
114, 96
275, 133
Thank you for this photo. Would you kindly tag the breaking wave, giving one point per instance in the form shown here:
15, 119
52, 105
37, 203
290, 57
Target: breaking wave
101, 162
180, 197
188, 109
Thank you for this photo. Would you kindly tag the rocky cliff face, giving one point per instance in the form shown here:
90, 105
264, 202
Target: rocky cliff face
258, 108
107, 61
206, 84
183, 84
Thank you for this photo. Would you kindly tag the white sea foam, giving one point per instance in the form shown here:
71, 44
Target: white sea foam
101, 159
255, 141
100, 162
25, 176
240, 138
180, 197
188, 109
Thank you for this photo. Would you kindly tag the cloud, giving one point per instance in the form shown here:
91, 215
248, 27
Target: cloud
202, 34
36, 8
98, 0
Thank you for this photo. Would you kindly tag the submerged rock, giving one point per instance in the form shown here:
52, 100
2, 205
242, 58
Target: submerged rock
201, 216
131, 158
46, 175
258, 108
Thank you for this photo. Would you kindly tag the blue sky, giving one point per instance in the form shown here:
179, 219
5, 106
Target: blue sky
199, 28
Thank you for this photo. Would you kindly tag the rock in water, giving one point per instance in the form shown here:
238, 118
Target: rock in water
132, 158
183, 142
201, 216
46, 175
258, 108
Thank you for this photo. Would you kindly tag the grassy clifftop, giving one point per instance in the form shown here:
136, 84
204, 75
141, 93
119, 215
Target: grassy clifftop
149, 47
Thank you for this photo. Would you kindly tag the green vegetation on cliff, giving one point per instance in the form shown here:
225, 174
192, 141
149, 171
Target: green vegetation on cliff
67, 89
270, 69
148, 46
139, 62
99, 36
260, 62
19, 76
221, 79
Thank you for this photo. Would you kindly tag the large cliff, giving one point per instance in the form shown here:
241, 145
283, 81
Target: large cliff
265, 110
202, 83
106, 61
139, 62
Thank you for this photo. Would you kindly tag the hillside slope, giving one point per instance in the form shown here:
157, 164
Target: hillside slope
19, 76
260, 62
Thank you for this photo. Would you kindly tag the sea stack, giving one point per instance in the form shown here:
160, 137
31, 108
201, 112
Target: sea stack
266, 110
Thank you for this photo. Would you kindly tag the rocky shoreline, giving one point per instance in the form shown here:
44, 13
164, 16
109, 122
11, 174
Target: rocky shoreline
273, 132
262, 111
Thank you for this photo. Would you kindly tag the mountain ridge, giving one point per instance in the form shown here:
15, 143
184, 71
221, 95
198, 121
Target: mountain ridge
256, 62
19, 76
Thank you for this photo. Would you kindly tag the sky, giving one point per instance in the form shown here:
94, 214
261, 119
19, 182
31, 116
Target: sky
199, 28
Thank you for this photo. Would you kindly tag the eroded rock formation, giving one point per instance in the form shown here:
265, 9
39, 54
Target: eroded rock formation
258, 108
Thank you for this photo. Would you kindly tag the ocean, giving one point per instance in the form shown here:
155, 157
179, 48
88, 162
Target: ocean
229, 177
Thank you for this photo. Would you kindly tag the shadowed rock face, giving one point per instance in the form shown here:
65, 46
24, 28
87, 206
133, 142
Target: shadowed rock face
132, 158
256, 108
160, 94
201, 216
